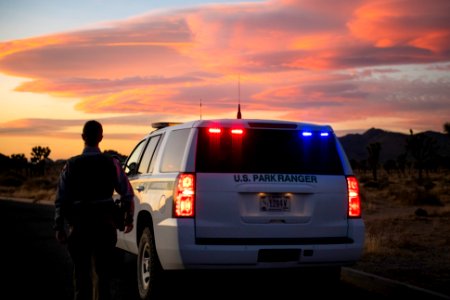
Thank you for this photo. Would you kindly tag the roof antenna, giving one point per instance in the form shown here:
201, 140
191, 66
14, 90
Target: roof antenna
239, 115
200, 108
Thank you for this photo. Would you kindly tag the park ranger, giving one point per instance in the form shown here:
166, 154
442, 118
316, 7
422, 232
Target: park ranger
85, 214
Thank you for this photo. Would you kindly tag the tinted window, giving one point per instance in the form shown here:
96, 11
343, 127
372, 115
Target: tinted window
267, 151
132, 161
148, 156
174, 150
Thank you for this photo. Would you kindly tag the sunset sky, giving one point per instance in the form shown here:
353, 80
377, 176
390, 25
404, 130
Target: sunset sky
352, 64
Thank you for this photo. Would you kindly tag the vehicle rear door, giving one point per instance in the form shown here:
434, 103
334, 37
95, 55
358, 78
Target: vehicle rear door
269, 186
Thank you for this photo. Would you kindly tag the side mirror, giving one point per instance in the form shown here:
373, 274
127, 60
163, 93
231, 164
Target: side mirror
131, 169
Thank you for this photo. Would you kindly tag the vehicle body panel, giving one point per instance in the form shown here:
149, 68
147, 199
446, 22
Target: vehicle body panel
241, 220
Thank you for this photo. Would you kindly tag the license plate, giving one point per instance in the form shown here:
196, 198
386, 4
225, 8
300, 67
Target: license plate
274, 202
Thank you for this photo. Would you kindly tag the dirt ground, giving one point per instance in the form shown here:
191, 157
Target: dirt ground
407, 226
408, 231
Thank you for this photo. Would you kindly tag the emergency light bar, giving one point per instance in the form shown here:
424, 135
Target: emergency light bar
215, 130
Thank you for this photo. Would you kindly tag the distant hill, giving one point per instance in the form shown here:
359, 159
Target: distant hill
392, 143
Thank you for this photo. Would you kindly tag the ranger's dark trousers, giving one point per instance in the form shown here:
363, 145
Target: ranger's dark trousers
92, 248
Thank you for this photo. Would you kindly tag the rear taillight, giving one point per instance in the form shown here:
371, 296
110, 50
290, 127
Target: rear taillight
184, 196
354, 199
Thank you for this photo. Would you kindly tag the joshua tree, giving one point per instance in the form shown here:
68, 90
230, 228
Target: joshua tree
422, 148
447, 128
402, 163
39, 154
374, 150
38, 158
19, 162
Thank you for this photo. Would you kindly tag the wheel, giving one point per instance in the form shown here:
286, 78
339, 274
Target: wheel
148, 266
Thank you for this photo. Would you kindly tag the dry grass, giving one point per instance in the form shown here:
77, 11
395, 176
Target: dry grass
408, 229
407, 223
36, 187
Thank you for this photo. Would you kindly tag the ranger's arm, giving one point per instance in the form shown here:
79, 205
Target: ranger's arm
125, 190
60, 202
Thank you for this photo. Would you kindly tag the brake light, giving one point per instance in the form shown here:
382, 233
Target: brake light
354, 199
214, 130
237, 131
234, 131
184, 196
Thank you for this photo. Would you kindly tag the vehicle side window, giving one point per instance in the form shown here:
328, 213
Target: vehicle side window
131, 166
148, 156
174, 150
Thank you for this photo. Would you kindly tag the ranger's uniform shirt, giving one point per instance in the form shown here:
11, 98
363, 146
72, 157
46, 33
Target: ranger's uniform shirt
86, 186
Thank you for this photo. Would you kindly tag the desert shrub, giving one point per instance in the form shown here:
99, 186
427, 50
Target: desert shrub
371, 184
424, 197
45, 195
373, 244
417, 196
379, 184
33, 193
426, 183
12, 180
6, 190
411, 245
412, 192
362, 178
35, 188
443, 186
400, 193
41, 183
380, 241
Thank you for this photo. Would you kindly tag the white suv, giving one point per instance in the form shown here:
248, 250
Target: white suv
242, 193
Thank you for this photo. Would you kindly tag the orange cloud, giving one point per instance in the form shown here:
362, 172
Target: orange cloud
152, 99
296, 58
11, 47
403, 22
73, 87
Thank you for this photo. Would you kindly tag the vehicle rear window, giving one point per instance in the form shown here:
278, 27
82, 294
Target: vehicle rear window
267, 151
174, 151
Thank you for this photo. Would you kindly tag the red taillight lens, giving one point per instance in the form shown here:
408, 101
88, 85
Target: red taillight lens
214, 130
237, 131
234, 131
354, 199
184, 196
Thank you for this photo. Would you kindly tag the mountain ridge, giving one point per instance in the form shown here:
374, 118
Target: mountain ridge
392, 143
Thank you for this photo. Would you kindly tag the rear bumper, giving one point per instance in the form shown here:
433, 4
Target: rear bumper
178, 249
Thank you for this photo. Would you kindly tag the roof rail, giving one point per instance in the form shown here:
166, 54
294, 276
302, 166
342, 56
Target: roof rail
160, 125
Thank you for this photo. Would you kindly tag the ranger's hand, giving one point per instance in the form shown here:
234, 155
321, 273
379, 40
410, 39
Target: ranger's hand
128, 228
128, 222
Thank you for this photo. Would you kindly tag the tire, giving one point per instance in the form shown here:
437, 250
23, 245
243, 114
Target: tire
149, 268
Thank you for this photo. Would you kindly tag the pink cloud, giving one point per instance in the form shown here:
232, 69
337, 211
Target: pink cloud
165, 62
71, 87
414, 23
63, 128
